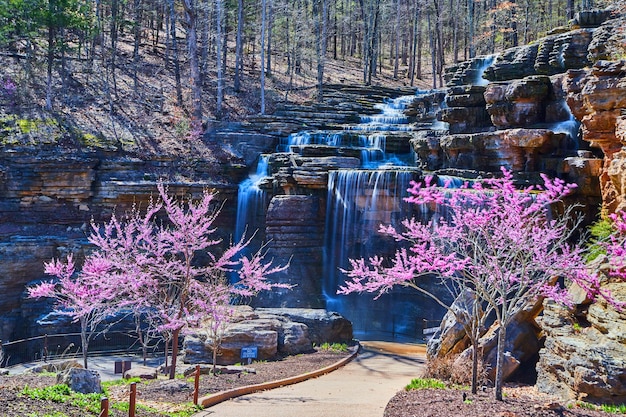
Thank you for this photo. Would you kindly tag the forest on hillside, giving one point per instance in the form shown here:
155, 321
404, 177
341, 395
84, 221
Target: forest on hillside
201, 61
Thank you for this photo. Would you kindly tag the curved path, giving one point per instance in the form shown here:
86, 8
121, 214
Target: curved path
361, 388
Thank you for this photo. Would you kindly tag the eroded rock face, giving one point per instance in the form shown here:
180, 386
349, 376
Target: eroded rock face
552, 54
283, 331
523, 339
597, 98
48, 199
585, 350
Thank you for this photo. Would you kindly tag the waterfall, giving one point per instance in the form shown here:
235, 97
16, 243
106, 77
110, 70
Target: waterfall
359, 201
391, 117
485, 63
571, 126
252, 200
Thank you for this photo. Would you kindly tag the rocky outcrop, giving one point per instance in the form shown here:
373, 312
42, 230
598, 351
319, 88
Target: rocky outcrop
523, 339
550, 55
597, 98
517, 103
48, 199
584, 356
273, 331
80, 380
465, 110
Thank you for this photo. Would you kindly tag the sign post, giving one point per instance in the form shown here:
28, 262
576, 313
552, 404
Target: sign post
249, 353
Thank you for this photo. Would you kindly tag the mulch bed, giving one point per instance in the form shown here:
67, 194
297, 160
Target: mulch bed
519, 401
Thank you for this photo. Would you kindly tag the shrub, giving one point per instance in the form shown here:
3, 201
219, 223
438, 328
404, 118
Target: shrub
425, 383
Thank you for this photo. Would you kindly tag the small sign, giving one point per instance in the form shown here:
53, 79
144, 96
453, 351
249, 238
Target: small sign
249, 352
431, 330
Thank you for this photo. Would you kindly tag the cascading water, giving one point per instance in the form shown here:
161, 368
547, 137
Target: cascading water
358, 202
571, 126
252, 200
485, 62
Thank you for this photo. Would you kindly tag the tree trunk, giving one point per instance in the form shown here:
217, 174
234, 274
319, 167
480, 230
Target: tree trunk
470, 28
474, 364
84, 340
214, 356
433, 53
113, 33
219, 34
569, 8
51, 36
174, 353
239, 47
263, 24
397, 42
174, 44
270, 24
137, 33
500, 361
320, 47
194, 67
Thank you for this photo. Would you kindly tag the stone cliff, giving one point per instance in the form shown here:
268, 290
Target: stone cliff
48, 199
527, 118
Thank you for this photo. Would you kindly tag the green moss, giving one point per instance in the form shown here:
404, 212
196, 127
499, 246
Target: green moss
26, 126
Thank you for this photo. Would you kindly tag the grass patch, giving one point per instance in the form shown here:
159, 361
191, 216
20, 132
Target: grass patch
90, 403
607, 408
425, 383
615, 409
61, 393
337, 347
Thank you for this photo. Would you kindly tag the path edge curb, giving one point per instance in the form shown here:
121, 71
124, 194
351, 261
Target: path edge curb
214, 399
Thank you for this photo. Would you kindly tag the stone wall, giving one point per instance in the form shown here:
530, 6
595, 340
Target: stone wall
49, 198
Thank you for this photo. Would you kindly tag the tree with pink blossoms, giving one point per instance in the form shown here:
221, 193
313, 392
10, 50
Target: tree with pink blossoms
506, 245
82, 296
169, 267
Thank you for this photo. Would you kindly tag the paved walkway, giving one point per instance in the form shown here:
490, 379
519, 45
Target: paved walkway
361, 388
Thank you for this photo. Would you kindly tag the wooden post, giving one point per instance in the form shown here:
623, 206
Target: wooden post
133, 399
104, 407
45, 348
196, 386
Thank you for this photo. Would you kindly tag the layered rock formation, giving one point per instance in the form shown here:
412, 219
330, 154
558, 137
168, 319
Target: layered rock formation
273, 332
584, 357
48, 199
530, 129
597, 97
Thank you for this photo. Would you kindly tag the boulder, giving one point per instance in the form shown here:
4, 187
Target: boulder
279, 331
324, 326
522, 343
80, 380
142, 372
585, 350
450, 338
